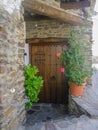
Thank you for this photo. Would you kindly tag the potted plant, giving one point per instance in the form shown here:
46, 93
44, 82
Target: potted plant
74, 61
33, 84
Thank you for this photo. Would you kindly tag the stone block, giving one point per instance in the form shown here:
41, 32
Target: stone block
4, 97
8, 111
22, 118
21, 45
12, 74
3, 36
21, 51
47, 28
21, 37
11, 40
2, 69
13, 125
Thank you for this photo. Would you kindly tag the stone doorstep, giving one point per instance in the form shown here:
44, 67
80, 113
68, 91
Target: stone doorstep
89, 101
71, 123
44, 113
94, 117
89, 112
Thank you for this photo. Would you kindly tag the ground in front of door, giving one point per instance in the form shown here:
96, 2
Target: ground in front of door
55, 117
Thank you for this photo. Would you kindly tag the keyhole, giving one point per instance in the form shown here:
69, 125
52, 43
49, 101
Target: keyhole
53, 77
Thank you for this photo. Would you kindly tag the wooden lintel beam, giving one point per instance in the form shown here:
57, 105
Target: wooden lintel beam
74, 5
46, 40
57, 13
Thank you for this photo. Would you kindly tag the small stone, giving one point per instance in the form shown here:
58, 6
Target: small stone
50, 126
13, 125
21, 44
36, 107
8, 111
30, 112
2, 69
21, 37
12, 74
63, 124
3, 36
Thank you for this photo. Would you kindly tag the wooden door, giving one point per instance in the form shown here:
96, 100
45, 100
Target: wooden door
44, 57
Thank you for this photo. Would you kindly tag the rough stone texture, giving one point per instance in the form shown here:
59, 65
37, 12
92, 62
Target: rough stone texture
10, 6
12, 111
89, 100
47, 28
42, 112
76, 109
68, 123
60, 120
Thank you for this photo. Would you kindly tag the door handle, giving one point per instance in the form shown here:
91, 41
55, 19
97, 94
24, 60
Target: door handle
53, 77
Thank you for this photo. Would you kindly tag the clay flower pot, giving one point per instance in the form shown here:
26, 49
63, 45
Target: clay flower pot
76, 90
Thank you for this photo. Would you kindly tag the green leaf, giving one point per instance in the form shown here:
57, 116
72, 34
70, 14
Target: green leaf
33, 84
28, 105
74, 59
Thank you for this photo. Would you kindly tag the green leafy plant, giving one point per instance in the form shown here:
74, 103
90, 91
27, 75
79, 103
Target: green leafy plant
74, 59
33, 84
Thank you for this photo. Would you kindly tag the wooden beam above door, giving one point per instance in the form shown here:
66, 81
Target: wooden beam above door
57, 13
46, 40
74, 5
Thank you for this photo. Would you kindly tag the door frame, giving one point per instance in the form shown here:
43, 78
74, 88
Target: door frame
46, 41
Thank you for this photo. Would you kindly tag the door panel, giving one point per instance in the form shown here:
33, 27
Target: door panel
60, 76
47, 74
44, 57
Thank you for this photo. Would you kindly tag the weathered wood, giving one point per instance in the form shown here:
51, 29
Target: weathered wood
46, 40
47, 10
74, 5
44, 57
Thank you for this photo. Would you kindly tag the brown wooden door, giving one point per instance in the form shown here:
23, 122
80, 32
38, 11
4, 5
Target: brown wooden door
44, 57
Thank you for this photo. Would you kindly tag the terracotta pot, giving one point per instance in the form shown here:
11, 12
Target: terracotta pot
76, 90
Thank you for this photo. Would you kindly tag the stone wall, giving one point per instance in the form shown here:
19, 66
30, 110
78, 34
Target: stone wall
47, 28
12, 108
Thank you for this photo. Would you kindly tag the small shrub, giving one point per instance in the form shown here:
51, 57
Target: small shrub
74, 59
33, 84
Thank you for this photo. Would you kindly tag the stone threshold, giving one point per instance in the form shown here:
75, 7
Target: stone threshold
88, 103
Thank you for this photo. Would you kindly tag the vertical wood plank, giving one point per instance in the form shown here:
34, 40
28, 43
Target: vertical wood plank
47, 73
64, 84
53, 77
59, 76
